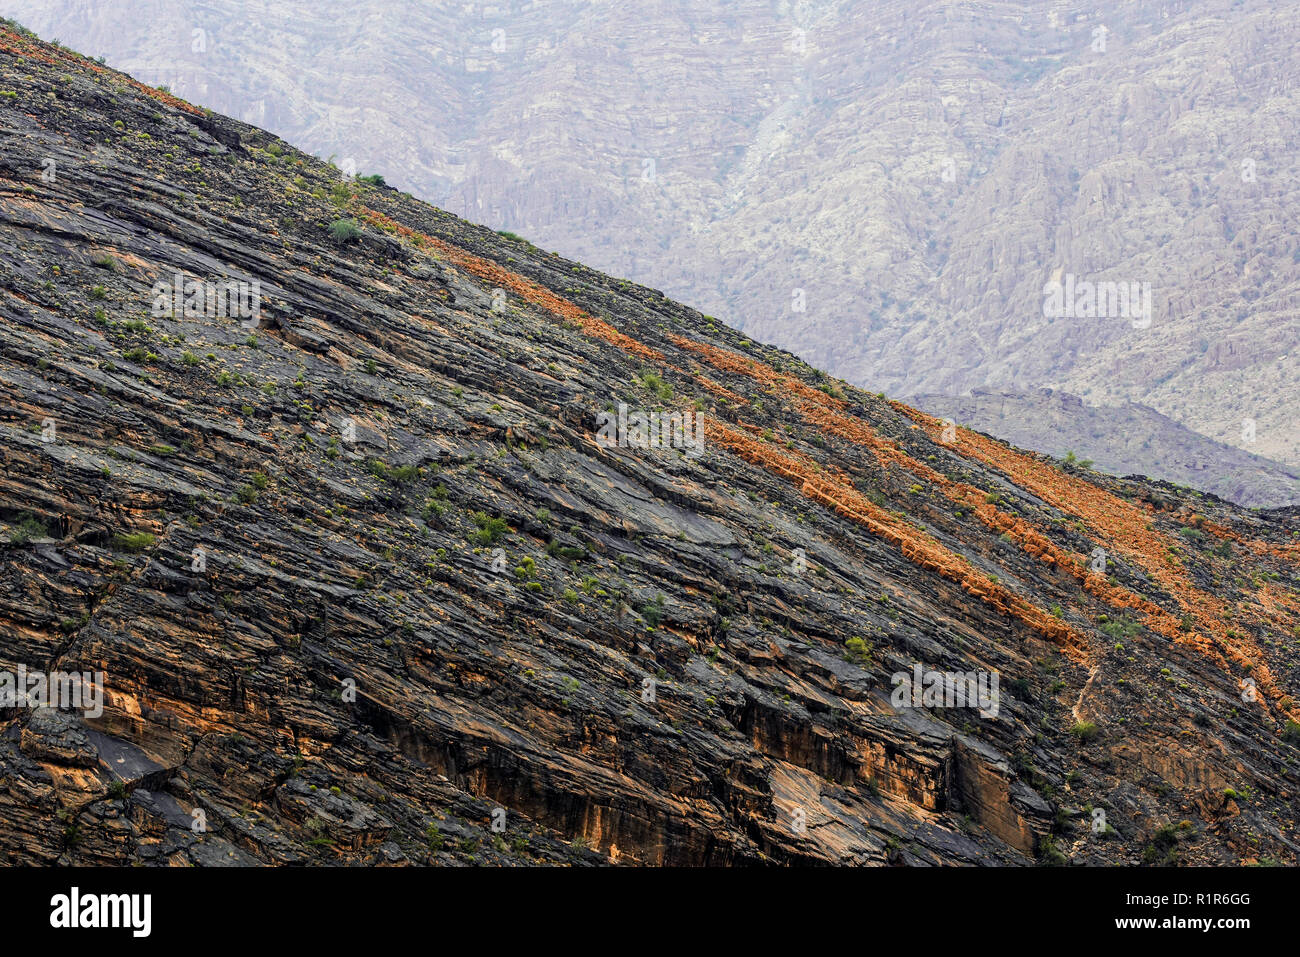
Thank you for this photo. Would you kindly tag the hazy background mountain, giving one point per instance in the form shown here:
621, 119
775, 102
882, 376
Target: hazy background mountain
883, 188
1120, 439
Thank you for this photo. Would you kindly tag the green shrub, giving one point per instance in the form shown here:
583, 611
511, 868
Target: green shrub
1291, 733
490, 530
1084, 731
248, 493
565, 552
134, 541
858, 649
653, 612
1119, 628
397, 474
654, 383
1049, 854
26, 528
1163, 849
344, 230
433, 837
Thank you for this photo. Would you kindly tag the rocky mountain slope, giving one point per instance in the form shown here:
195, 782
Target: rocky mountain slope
1124, 440
366, 582
883, 188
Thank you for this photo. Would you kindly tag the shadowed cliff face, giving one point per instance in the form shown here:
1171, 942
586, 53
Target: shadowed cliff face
382, 561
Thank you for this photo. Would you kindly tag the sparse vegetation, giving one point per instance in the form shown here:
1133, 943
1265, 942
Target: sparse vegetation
26, 528
858, 649
344, 231
653, 611
1084, 731
652, 382
134, 541
490, 530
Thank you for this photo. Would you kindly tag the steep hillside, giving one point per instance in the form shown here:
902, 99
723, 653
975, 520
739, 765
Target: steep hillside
883, 188
365, 579
1123, 440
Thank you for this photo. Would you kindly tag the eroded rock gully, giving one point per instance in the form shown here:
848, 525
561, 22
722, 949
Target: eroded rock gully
359, 576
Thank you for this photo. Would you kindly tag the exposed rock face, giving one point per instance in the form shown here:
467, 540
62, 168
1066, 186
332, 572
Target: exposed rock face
885, 190
1123, 440
57, 737
360, 577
